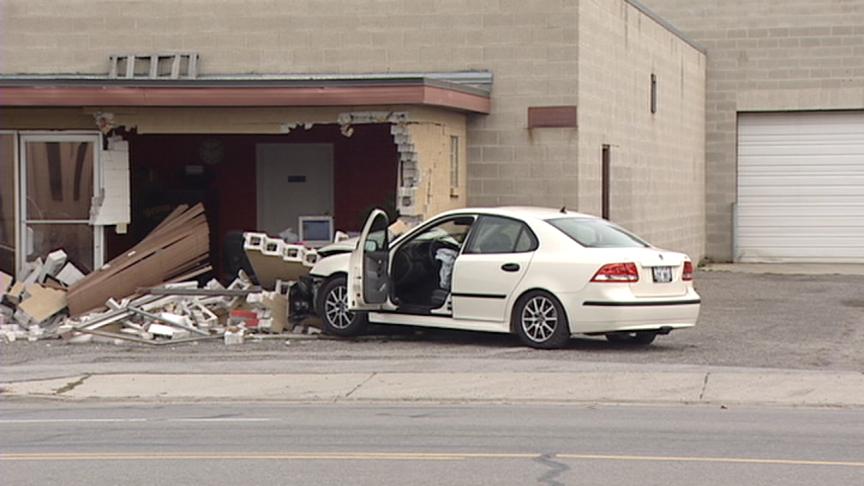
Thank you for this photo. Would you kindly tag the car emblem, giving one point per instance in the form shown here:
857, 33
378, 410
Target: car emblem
661, 256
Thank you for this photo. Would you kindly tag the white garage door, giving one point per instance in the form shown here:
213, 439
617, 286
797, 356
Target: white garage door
800, 187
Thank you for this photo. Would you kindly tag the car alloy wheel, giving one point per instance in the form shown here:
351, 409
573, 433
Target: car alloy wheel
332, 308
336, 308
539, 321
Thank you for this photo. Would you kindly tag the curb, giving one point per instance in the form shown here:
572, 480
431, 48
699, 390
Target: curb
685, 388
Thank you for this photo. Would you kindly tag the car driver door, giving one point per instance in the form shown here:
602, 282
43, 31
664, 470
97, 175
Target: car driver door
368, 270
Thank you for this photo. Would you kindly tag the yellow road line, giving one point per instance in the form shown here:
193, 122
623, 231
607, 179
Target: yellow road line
395, 456
731, 460
387, 456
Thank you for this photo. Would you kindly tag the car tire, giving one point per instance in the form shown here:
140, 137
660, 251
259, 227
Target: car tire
639, 338
332, 308
540, 321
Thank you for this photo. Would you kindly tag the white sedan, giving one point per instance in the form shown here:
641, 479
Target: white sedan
542, 274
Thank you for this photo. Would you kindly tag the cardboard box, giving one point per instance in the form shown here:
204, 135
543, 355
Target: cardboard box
278, 305
70, 274
42, 302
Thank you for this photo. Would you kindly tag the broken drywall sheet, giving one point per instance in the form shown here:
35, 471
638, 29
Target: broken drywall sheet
111, 205
70, 274
32, 272
53, 263
42, 302
5, 283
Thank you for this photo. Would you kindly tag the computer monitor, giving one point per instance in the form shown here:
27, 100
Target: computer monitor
316, 231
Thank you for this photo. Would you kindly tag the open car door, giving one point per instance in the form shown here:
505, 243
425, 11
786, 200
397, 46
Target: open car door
368, 270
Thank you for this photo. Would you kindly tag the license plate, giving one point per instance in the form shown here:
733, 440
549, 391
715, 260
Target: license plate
662, 274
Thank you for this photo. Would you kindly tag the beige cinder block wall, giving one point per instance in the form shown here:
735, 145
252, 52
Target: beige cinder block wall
766, 55
529, 45
432, 138
429, 132
657, 160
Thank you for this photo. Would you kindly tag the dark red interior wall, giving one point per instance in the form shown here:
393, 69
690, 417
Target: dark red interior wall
365, 176
366, 171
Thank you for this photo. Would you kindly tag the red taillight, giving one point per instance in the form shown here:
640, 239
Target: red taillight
617, 272
687, 275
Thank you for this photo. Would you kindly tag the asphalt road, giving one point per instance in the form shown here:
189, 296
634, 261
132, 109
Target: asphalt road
388, 444
760, 321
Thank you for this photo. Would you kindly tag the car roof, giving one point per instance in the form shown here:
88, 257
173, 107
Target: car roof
521, 212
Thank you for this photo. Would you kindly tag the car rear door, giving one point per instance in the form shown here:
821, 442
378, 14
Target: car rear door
495, 259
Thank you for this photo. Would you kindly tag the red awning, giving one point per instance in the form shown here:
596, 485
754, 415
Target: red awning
249, 96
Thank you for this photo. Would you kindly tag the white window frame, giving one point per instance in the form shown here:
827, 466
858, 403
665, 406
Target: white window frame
20, 180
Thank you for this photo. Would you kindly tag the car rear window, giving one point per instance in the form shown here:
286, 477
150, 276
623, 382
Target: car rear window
597, 233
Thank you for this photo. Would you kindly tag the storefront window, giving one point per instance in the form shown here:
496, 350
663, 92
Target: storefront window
59, 180
59, 189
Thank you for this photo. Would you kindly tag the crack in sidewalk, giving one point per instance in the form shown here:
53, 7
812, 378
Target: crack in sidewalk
71, 385
704, 386
373, 375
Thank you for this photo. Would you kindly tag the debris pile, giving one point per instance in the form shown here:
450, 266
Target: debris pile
35, 305
147, 295
167, 314
183, 312
174, 251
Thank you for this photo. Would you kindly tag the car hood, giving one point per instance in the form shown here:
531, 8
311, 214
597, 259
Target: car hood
344, 246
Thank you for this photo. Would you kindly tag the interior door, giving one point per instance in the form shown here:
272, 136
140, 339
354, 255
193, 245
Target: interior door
58, 175
494, 261
293, 180
368, 271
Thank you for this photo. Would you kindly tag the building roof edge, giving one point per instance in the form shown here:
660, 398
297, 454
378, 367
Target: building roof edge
666, 25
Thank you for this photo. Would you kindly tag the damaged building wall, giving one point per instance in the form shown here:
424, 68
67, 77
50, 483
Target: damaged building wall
412, 132
529, 46
436, 191
657, 178
535, 50
423, 135
221, 171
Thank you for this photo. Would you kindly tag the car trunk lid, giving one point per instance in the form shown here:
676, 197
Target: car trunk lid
660, 271
659, 274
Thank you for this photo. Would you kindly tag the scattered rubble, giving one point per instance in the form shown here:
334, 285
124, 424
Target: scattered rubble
182, 312
167, 314
147, 295
174, 251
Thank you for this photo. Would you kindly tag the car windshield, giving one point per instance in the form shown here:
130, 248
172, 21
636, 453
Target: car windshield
597, 233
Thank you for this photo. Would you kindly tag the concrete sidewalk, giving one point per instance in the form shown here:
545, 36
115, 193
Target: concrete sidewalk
684, 386
788, 268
